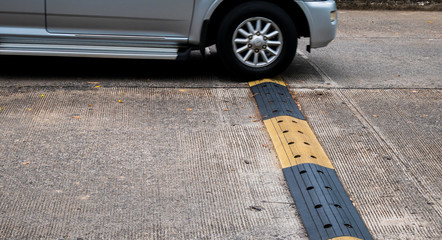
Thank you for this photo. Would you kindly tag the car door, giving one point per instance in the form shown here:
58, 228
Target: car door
21, 14
156, 18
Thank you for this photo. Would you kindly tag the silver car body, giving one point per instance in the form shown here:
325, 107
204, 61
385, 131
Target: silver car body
152, 29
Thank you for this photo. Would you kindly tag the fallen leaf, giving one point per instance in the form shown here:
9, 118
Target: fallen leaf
189, 109
265, 145
226, 109
76, 117
256, 120
414, 91
90, 105
97, 86
181, 90
85, 197
42, 95
26, 163
0, 108
119, 100
29, 109
93, 82
375, 116
430, 21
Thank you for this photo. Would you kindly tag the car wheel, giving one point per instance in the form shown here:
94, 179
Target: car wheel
257, 39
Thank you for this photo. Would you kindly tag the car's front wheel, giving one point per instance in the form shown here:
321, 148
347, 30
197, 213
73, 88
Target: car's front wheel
257, 39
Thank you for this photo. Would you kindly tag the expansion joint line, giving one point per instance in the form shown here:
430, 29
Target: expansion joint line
322, 202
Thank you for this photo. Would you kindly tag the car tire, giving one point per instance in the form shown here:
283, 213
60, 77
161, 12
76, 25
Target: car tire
257, 39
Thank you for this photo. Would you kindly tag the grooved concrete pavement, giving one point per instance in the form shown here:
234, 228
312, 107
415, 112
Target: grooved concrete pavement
162, 164
385, 146
183, 156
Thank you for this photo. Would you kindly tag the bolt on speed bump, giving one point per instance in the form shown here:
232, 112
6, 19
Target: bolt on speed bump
322, 202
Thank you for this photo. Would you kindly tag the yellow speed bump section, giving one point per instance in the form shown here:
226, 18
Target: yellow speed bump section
277, 80
295, 143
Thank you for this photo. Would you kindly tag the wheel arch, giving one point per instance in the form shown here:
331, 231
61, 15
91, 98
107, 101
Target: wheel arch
209, 34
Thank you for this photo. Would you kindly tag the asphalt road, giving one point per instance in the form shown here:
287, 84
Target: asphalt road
138, 149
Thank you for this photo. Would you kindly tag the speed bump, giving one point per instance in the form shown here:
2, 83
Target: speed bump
322, 202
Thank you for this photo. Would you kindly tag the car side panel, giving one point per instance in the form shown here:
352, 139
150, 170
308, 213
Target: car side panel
120, 17
203, 11
21, 14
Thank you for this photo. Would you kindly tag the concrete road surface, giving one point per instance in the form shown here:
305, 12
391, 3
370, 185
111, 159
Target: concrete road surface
135, 149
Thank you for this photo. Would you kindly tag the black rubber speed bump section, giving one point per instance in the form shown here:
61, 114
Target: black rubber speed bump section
274, 99
324, 206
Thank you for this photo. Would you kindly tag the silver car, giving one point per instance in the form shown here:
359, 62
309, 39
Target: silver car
254, 38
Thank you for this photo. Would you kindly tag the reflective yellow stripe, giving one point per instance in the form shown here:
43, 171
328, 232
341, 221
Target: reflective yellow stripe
295, 143
345, 238
277, 80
